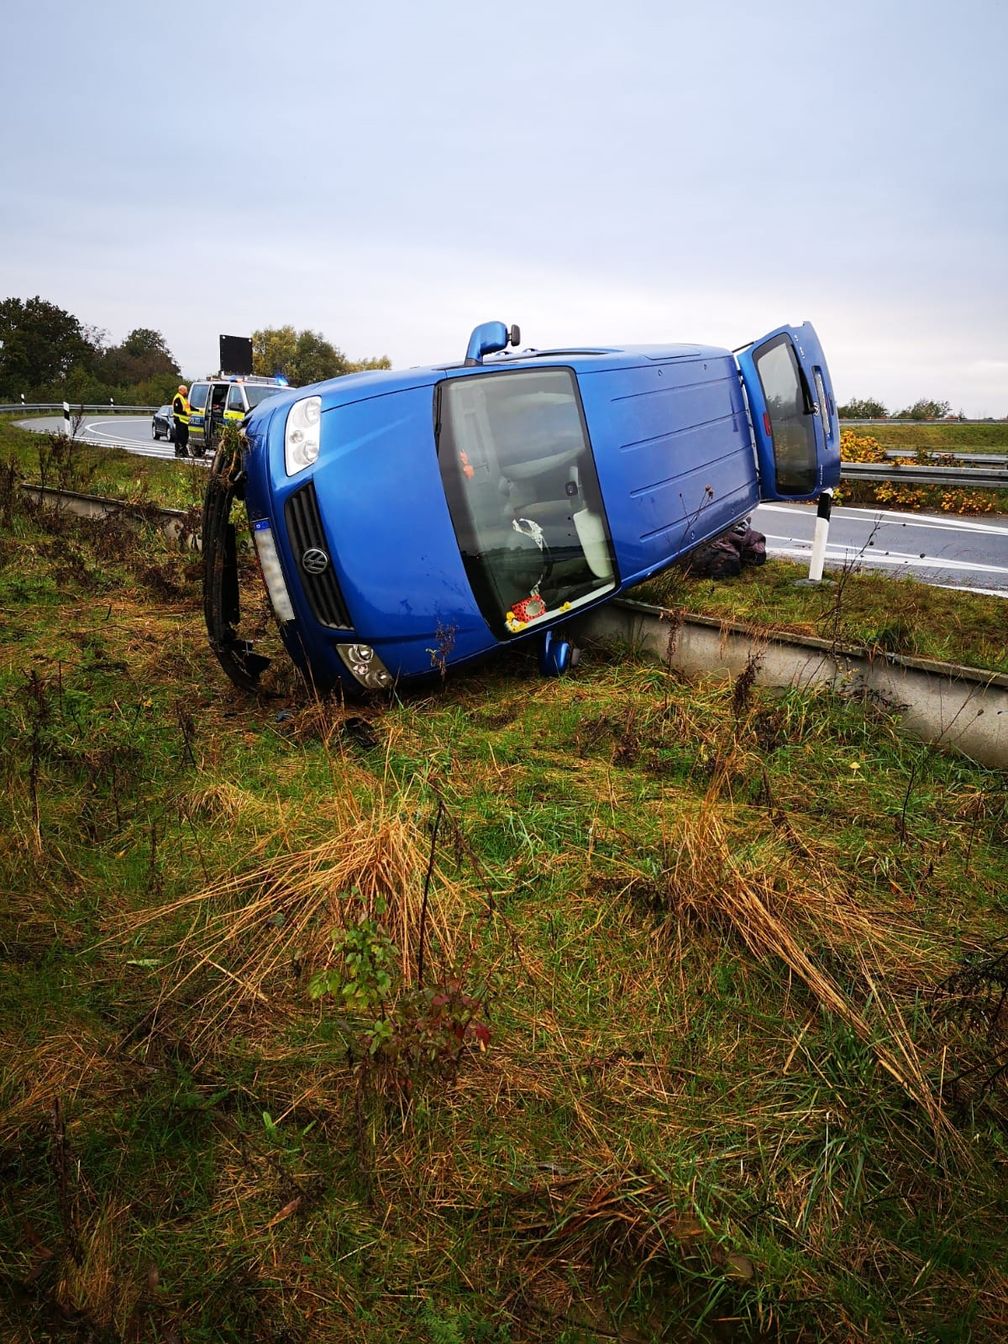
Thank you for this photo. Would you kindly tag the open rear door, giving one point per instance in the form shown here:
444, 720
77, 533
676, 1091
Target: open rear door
793, 413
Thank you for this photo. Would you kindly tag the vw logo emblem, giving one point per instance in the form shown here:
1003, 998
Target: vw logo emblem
314, 561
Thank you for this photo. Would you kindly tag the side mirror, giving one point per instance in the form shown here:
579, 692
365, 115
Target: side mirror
487, 339
557, 655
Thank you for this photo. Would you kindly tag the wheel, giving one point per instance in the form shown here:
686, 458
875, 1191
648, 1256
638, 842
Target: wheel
153, 432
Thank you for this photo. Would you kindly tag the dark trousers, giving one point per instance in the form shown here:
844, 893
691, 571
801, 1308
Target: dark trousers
181, 439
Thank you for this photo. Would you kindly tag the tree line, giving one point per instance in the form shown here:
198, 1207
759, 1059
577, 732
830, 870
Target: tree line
867, 408
304, 357
48, 354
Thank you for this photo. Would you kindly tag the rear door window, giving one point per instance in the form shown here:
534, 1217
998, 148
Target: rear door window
790, 417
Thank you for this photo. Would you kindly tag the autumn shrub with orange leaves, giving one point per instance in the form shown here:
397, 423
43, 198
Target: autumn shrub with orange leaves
866, 448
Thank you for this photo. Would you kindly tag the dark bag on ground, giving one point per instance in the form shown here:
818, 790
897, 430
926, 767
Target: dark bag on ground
724, 557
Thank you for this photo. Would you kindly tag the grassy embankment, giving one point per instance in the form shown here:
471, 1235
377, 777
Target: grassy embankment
945, 436
875, 613
704, 1044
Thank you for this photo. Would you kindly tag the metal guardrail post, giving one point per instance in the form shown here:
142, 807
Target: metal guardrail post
819, 540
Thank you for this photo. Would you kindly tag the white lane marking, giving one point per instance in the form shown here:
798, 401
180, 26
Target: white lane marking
965, 588
92, 428
140, 447
871, 556
950, 522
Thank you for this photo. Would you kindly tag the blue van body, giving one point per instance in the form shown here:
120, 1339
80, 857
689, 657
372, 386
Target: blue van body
410, 521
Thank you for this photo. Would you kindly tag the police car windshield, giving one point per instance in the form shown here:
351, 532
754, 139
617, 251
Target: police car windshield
259, 392
523, 493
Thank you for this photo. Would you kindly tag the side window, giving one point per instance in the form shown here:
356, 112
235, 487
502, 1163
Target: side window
792, 423
198, 396
234, 400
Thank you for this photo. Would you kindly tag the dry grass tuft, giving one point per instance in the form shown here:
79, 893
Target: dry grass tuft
96, 1288
263, 930
788, 904
57, 1069
627, 1217
221, 800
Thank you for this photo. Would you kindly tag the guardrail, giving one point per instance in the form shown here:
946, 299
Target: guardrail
920, 473
943, 457
76, 407
895, 420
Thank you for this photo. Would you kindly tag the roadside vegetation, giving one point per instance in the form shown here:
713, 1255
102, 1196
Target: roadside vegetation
610, 1007
944, 436
877, 614
860, 447
50, 460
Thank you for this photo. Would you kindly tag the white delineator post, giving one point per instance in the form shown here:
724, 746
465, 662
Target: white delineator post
66, 418
821, 533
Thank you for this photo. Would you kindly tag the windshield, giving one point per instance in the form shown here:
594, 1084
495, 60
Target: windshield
258, 393
523, 493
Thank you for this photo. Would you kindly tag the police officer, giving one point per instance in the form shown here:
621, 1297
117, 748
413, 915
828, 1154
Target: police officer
180, 416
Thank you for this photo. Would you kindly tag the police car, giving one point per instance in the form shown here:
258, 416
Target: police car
406, 522
215, 401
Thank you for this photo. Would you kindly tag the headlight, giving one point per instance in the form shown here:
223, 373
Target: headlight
365, 665
301, 437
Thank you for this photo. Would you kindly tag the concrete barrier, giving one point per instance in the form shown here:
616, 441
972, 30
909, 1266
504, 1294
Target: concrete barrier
942, 703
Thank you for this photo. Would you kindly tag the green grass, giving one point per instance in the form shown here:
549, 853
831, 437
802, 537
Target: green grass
874, 612
648, 887
101, 471
942, 437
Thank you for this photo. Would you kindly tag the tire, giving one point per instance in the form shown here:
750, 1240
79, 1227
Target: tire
153, 431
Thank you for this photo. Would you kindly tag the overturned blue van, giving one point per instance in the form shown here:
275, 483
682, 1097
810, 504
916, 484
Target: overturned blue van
406, 522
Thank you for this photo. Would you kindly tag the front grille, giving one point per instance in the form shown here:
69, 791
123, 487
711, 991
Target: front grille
305, 530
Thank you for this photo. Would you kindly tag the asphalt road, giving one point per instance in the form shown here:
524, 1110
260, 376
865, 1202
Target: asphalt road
113, 431
946, 550
949, 551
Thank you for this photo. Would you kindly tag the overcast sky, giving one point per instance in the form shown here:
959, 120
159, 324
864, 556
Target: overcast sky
597, 172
